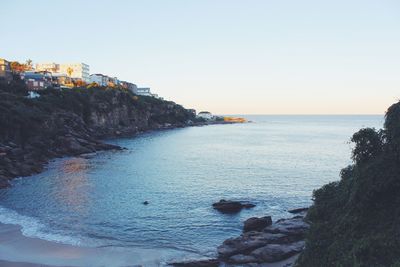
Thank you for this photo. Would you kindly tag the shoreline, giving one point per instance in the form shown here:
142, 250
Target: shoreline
24, 251
97, 144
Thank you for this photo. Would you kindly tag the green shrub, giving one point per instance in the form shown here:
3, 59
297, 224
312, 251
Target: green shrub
355, 222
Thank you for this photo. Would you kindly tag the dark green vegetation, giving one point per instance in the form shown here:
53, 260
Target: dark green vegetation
356, 221
106, 110
70, 122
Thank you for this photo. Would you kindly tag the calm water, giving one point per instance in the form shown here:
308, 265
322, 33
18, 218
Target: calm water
275, 162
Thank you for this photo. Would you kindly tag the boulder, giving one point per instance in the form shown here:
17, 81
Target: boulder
295, 226
238, 245
257, 224
228, 206
299, 210
264, 244
277, 252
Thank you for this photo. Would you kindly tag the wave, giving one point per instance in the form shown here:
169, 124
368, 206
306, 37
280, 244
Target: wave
32, 227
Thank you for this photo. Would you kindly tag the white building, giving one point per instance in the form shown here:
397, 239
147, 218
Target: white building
205, 115
100, 79
144, 91
78, 70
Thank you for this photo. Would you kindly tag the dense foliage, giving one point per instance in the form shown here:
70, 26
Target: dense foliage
356, 221
22, 117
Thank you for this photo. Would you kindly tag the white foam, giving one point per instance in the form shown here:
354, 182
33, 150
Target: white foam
31, 227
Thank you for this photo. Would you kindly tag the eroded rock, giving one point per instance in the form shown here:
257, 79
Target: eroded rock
197, 263
277, 252
271, 243
229, 206
257, 224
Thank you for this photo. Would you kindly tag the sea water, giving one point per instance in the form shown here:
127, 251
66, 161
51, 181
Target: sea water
97, 200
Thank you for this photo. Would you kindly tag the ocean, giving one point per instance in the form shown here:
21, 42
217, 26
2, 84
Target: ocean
97, 200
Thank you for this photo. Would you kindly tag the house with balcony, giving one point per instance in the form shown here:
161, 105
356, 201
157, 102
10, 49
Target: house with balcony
37, 80
130, 86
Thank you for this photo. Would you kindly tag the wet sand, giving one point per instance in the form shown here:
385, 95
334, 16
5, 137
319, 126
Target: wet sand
17, 250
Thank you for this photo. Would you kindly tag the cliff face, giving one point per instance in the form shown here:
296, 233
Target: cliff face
70, 122
356, 221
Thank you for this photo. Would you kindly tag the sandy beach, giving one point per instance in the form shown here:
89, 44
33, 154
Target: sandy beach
17, 250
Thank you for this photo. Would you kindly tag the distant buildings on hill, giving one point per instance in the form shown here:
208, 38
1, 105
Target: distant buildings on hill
73, 70
55, 75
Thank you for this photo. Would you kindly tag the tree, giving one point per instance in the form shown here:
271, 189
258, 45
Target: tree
70, 71
28, 64
368, 143
17, 67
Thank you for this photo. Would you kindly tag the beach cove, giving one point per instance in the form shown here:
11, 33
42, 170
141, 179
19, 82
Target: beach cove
96, 200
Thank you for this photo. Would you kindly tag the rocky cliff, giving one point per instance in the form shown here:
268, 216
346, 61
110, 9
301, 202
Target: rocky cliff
71, 122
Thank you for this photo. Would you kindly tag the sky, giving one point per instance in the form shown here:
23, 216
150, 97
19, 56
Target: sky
224, 56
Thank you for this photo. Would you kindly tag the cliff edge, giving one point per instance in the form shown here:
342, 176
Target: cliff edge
71, 122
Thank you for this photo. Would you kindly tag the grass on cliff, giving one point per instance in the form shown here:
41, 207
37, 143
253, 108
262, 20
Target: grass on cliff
356, 221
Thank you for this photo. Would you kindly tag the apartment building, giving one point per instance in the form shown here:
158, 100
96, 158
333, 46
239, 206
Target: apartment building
73, 70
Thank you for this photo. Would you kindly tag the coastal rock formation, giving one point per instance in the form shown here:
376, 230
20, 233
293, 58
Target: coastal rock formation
228, 206
70, 122
278, 243
197, 263
272, 243
256, 224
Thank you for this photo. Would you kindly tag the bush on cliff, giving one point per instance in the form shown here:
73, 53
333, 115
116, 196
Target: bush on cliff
103, 110
356, 221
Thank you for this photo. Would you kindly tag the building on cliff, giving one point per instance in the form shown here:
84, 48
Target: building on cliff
100, 79
145, 91
5, 71
37, 80
205, 115
73, 70
130, 86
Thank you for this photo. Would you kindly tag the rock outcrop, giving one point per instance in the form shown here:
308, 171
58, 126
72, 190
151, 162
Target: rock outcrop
228, 206
272, 243
278, 243
256, 224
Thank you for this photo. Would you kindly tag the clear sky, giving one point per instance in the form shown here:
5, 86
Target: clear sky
224, 56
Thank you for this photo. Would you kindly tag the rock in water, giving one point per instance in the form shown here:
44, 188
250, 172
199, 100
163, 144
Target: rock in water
256, 224
228, 206
197, 263
300, 210
145, 203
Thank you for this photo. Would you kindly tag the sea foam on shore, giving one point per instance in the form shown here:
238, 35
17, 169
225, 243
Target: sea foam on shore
15, 247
